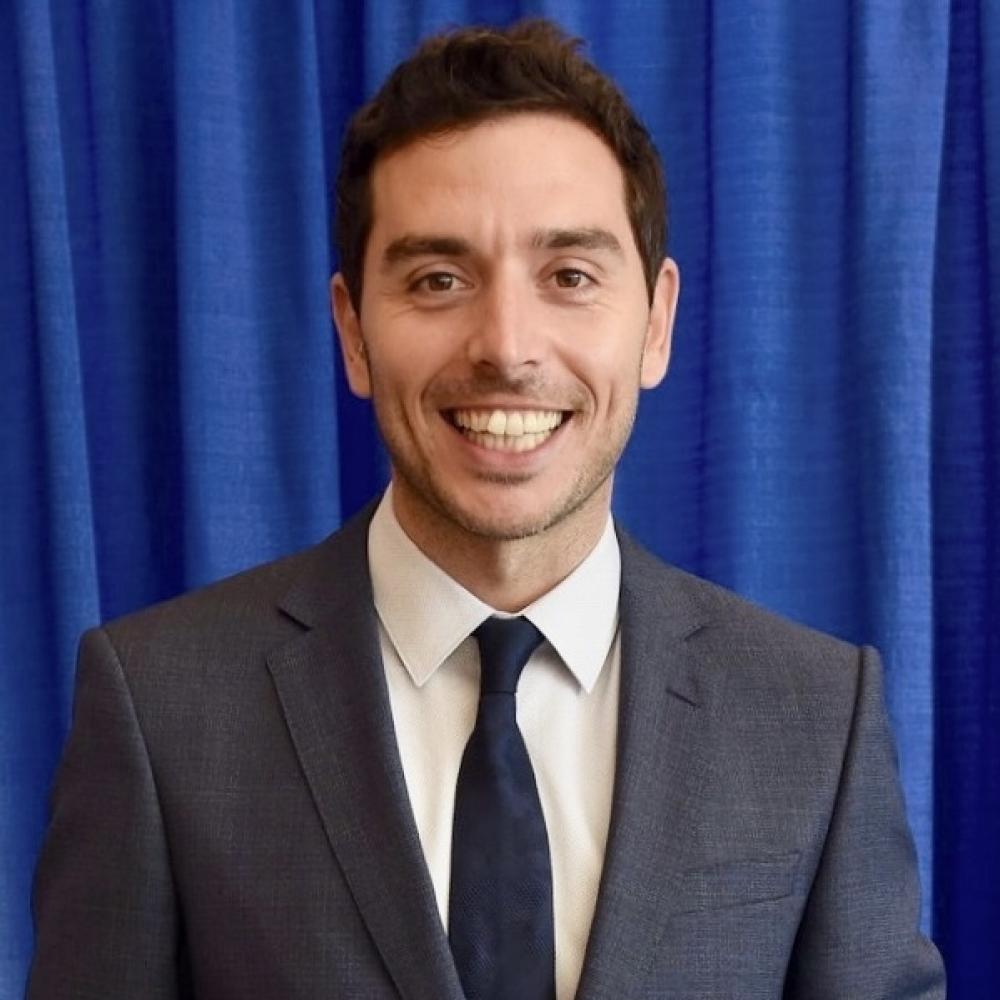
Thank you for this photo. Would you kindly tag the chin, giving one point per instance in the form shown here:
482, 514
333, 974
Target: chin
501, 510
507, 520
497, 526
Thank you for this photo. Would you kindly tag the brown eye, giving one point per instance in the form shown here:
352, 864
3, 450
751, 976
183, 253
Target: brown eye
569, 277
440, 281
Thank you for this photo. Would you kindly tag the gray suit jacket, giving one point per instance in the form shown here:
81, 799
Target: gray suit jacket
230, 818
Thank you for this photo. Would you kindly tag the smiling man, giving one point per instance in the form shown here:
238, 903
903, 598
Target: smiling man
479, 743
503, 327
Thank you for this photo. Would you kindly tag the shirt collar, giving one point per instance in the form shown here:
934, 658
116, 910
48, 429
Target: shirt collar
427, 614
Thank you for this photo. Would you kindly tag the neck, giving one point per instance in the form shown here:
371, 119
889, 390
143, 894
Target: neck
507, 574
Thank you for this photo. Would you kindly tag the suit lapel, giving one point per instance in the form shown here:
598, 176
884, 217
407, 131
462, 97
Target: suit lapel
659, 777
332, 689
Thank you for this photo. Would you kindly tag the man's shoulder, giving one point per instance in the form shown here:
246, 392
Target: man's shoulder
735, 641
256, 604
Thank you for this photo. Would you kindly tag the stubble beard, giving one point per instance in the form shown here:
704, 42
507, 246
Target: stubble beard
448, 513
498, 529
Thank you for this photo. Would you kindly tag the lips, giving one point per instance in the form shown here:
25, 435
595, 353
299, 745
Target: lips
507, 430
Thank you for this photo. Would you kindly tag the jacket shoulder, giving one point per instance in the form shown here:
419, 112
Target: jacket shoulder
702, 603
739, 647
258, 605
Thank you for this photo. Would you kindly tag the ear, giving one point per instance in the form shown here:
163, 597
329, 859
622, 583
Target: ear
352, 345
659, 331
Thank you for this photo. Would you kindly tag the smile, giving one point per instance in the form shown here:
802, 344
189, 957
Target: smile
507, 430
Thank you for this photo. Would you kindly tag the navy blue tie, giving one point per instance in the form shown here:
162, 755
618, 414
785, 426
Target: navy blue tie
500, 911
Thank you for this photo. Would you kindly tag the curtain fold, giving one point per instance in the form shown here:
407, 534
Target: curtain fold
827, 442
48, 580
966, 501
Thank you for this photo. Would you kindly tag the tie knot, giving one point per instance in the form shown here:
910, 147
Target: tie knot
505, 644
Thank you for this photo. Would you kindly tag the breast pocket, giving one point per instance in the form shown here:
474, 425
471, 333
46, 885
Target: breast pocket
739, 883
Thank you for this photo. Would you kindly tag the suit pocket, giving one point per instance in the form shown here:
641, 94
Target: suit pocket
740, 883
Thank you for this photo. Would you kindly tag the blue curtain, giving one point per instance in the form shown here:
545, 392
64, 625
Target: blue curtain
828, 440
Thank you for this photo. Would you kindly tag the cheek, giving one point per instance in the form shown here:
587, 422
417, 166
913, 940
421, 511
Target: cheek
610, 369
400, 384
408, 349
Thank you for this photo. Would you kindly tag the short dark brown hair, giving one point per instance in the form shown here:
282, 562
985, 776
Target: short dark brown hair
467, 76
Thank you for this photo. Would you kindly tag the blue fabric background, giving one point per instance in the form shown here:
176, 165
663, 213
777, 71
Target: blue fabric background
828, 440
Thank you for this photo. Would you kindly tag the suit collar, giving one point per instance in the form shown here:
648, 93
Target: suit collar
659, 776
332, 689
334, 575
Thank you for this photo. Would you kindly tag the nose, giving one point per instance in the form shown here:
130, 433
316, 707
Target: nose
504, 337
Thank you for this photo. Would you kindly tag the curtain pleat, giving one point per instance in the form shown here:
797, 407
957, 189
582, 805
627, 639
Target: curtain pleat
966, 504
48, 548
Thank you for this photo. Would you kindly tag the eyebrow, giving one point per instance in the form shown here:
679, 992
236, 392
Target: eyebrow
585, 238
412, 246
409, 247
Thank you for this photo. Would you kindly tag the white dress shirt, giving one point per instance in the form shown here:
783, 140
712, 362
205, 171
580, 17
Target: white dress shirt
567, 709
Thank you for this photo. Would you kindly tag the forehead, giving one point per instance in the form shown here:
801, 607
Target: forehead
520, 171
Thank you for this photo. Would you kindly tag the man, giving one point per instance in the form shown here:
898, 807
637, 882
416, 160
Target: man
306, 781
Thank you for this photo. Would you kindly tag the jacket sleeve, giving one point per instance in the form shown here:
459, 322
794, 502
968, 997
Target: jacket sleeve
859, 936
106, 919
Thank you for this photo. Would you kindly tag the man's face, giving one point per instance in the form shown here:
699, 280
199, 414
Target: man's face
504, 329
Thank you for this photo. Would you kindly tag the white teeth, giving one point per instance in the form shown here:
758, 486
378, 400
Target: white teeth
507, 430
507, 423
499, 442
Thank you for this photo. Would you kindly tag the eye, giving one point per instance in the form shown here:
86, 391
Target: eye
436, 281
571, 277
